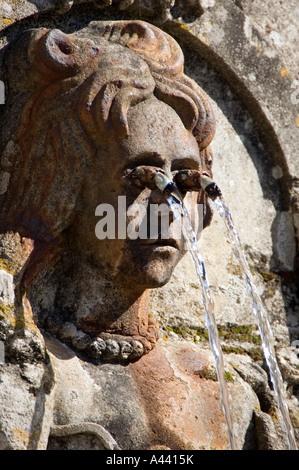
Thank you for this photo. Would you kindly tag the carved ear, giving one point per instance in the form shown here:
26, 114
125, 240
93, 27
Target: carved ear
62, 55
204, 130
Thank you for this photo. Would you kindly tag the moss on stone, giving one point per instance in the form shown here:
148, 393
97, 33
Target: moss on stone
267, 276
256, 354
180, 330
242, 333
228, 376
4, 265
7, 314
229, 332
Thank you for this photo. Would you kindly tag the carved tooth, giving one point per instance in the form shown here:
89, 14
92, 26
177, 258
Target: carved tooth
96, 348
112, 349
125, 349
138, 349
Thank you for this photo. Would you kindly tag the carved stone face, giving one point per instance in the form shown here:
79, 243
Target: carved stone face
157, 138
90, 106
74, 111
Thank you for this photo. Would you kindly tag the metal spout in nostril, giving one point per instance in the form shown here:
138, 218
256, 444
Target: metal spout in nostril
151, 177
210, 187
163, 183
194, 180
143, 176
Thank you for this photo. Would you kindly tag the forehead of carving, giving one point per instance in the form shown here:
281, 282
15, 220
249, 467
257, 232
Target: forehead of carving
115, 56
156, 47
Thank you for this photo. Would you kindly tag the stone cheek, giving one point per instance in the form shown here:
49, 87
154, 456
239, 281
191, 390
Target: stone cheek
160, 401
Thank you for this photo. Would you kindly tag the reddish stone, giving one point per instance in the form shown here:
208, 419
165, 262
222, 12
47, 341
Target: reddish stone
183, 409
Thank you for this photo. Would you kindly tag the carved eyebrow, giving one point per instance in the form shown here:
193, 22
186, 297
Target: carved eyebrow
185, 163
147, 159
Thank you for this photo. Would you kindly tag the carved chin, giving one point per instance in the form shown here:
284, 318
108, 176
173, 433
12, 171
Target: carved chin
155, 274
152, 269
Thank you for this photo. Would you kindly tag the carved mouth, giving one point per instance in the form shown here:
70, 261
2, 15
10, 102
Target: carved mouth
161, 243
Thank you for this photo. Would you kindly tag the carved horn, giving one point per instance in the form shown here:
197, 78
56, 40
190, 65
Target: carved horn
62, 55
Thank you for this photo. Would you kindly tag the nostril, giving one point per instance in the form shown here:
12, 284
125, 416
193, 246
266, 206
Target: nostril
65, 47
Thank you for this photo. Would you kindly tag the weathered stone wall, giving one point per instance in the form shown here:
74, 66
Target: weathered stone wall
245, 57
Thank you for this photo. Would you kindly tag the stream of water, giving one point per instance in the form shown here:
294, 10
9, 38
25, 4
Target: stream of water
181, 214
262, 320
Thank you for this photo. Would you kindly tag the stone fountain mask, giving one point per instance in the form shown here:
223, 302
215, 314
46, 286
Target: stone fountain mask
81, 110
